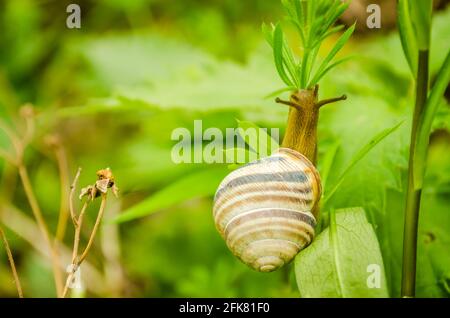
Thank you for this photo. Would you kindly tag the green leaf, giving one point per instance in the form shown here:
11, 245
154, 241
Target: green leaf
278, 47
407, 34
329, 68
343, 261
359, 155
337, 47
291, 64
421, 11
336, 10
93, 107
332, 31
311, 12
424, 128
327, 162
268, 33
195, 185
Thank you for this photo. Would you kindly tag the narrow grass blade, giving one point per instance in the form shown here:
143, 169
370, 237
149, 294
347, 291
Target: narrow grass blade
278, 44
267, 31
327, 163
315, 80
195, 185
337, 47
407, 34
360, 155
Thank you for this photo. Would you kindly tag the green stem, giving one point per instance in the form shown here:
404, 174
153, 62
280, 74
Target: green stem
413, 196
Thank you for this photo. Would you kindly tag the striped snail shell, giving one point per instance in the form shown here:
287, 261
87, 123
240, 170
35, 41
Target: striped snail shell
265, 209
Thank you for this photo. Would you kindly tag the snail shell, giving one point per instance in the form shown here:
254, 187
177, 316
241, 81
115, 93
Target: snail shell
264, 210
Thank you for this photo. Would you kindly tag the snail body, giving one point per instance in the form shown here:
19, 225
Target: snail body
265, 210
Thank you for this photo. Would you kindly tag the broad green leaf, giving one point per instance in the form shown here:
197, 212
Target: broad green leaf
407, 34
433, 260
199, 184
202, 82
278, 48
359, 155
424, 128
95, 106
337, 47
343, 261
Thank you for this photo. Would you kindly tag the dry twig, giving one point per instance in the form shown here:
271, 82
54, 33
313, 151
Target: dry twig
12, 263
105, 181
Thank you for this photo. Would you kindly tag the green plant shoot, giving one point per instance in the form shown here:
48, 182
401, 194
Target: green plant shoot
314, 22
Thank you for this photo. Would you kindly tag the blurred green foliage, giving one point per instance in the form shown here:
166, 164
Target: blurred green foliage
115, 90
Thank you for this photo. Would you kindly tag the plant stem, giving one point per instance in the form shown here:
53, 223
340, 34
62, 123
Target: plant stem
42, 225
76, 241
76, 261
61, 159
413, 196
94, 230
25, 227
71, 194
12, 263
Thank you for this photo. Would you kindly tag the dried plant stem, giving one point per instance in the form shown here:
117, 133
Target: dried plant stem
61, 159
76, 241
7, 156
42, 226
12, 263
26, 227
19, 144
94, 230
12, 137
77, 261
72, 192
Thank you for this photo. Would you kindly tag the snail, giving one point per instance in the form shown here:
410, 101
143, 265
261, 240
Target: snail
267, 210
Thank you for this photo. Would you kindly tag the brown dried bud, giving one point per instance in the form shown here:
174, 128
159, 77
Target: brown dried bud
105, 181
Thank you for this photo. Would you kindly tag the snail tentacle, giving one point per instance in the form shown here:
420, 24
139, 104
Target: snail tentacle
330, 100
285, 102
